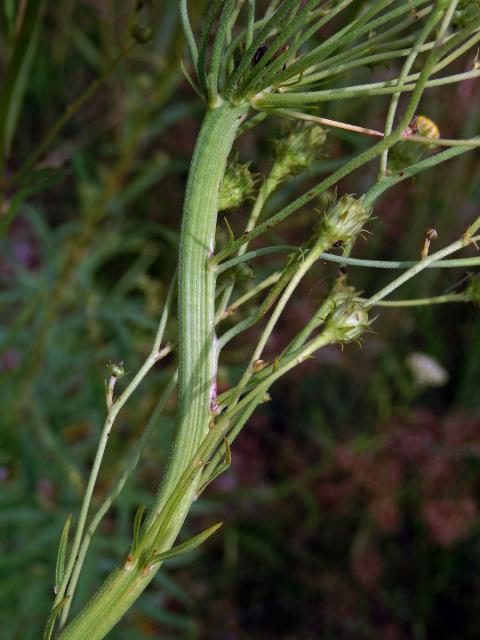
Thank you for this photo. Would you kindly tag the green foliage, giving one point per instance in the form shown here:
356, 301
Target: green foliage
98, 133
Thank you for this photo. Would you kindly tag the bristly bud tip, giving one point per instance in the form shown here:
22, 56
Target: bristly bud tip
344, 220
348, 318
295, 152
238, 185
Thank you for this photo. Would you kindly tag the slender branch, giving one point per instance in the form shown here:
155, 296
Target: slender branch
415, 50
232, 308
187, 28
439, 142
420, 302
114, 409
251, 255
250, 22
420, 266
312, 98
118, 487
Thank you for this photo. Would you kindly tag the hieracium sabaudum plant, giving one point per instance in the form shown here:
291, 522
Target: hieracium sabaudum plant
253, 61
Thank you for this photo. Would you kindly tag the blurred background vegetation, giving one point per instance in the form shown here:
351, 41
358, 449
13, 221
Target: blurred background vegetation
351, 508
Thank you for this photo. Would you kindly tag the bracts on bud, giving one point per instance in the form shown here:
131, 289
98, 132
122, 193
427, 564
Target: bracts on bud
347, 318
295, 152
348, 322
344, 220
238, 185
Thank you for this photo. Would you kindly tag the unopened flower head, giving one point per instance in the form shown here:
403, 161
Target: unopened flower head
407, 152
237, 186
295, 152
348, 321
340, 294
344, 220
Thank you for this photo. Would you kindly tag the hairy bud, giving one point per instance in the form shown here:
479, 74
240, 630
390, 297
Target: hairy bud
295, 152
237, 186
405, 153
344, 220
348, 321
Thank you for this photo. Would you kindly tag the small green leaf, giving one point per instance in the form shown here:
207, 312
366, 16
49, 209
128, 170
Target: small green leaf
62, 552
187, 546
47, 634
220, 469
137, 523
191, 81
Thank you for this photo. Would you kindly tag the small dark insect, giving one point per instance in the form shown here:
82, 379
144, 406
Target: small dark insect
262, 50
412, 128
338, 244
259, 53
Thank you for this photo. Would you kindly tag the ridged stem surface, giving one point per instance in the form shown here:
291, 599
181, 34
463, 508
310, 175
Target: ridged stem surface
197, 368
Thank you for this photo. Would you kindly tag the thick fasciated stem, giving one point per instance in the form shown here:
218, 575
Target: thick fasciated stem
197, 365
196, 289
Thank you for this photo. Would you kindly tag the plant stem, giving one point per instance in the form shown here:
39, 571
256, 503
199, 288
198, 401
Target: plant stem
421, 302
197, 369
196, 294
414, 51
420, 266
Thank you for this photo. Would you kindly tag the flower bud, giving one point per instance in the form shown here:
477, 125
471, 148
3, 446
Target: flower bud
340, 294
116, 370
344, 220
405, 153
295, 152
348, 321
237, 186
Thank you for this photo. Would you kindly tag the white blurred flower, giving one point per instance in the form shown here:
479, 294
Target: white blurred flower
427, 371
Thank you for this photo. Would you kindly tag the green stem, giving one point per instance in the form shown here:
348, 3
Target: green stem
311, 98
420, 266
415, 50
196, 294
197, 362
421, 302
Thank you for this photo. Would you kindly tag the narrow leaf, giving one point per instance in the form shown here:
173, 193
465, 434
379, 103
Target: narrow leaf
220, 469
17, 73
231, 237
187, 546
62, 552
137, 523
191, 81
47, 634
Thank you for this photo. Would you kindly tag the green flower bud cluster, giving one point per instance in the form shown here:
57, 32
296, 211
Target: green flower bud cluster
344, 220
348, 320
238, 184
295, 152
472, 292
